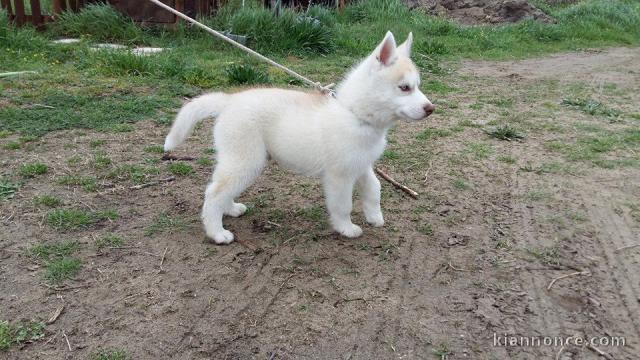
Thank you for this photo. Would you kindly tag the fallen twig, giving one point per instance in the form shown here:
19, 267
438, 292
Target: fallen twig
407, 190
67, 339
627, 247
566, 276
141, 186
55, 315
163, 255
167, 157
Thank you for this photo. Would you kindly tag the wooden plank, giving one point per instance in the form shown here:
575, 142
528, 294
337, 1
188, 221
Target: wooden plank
57, 7
36, 14
19, 5
73, 5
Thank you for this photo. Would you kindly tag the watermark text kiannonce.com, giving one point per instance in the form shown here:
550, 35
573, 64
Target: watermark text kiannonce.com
507, 340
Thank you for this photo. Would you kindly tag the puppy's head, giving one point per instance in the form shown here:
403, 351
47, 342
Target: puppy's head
397, 80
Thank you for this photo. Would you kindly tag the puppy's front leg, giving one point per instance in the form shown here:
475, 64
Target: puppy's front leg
369, 186
338, 192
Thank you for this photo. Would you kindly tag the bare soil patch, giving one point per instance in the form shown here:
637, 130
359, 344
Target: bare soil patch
495, 223
472, 12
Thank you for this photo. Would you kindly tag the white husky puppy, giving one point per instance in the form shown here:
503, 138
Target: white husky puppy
334, 138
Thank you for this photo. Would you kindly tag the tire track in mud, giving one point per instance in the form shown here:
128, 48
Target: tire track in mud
544, 313
612, 232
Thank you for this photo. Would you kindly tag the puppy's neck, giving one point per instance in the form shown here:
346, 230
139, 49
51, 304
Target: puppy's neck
357, 94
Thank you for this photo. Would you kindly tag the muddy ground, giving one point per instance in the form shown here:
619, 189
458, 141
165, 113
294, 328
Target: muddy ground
474, 255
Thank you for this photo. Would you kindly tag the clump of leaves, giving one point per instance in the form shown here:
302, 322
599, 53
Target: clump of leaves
592, 107
245, 74
504, 132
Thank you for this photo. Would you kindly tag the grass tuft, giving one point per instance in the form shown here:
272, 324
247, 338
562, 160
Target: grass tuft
180, 169
592, 107
19, 333
246, 74
7, 189
32, 170
162, 223
504, 132
47, 200
109, 240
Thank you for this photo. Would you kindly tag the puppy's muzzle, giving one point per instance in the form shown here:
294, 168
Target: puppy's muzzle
429, 109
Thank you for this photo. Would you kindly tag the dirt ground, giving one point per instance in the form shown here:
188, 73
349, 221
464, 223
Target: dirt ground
474, 255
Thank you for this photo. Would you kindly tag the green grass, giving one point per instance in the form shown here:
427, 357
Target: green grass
430, 133
74, 219
460, 184
109, 240
246, 74
596, 148
507, 159
47, 200
180, 169
62, 269
18, 333
204, 161
135, 173
504, 132
112, 90
479, 150
164, 223
101, 160
58, 261
592, 107
390, 154
7, 189
32, 170
110, 354
88, 183
154, 149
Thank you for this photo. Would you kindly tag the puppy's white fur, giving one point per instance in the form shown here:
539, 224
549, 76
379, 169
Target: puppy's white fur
337, 139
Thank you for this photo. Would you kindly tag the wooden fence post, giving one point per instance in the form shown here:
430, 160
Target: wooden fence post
36, 14
19, 5
6, 4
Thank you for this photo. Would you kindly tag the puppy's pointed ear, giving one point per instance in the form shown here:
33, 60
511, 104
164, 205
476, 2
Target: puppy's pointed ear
385, 53
405, 47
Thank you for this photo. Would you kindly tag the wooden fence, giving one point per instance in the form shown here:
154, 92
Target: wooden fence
139, 10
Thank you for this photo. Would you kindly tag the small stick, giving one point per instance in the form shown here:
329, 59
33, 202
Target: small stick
67, 339
55, 315
600, 352
455, 268
141, 186
166, 157
627, 247
163, 255
385, 176
566, 276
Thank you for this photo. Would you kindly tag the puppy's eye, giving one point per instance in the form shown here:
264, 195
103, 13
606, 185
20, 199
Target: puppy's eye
405, 88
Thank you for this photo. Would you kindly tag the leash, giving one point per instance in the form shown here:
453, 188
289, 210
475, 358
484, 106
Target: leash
324, 89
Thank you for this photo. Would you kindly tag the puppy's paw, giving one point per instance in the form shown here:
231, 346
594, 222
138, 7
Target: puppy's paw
376, 220
236, 210
350, 230
223, 237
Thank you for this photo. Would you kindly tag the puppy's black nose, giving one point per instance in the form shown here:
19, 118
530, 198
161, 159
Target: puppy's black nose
429, 109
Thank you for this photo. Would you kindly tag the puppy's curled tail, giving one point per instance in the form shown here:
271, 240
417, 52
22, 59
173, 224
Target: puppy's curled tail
209, 105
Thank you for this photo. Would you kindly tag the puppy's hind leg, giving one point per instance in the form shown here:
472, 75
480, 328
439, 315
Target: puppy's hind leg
338, 195
230, 178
